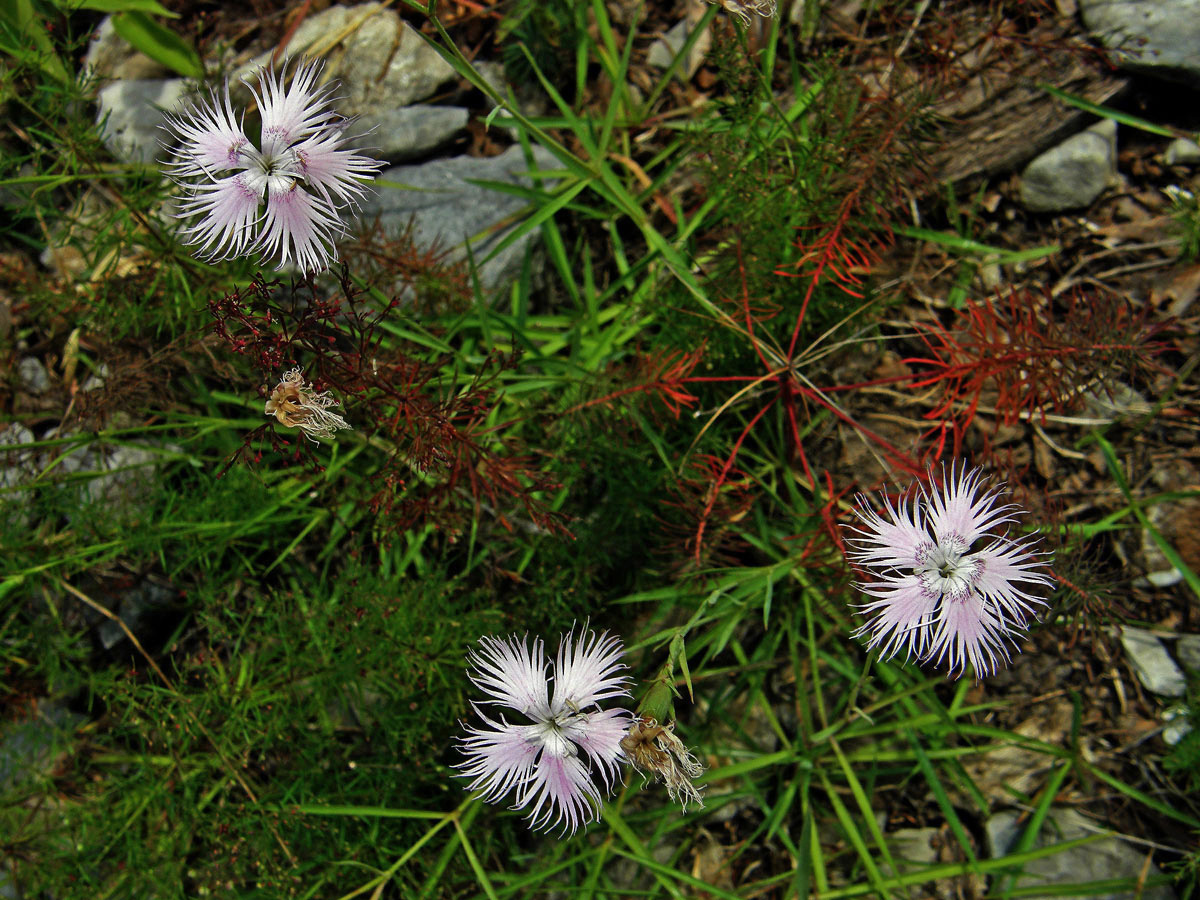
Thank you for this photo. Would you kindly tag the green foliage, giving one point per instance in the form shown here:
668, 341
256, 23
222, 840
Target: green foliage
26, 34
285, 725
542, 36
1185, 208
1184, 757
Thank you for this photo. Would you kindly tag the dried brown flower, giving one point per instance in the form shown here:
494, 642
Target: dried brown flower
295, 404
743, 8
654, 750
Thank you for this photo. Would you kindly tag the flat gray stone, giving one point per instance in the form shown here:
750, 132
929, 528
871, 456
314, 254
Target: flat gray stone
1153, 665
1073, 174
1155, 36
29, 747
136, 606
132, 113
17, 467
1107, 858
381, 62
1176, 726
1182, 152
112, 58
913, 846
33, 375
410, 131
666, 48
446, 211
1187, 649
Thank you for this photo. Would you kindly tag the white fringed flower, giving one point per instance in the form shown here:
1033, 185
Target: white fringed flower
284, 199
946, 585
551, 762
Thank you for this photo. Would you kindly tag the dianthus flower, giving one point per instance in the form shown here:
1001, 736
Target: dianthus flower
284, 199
540, 761
948, 584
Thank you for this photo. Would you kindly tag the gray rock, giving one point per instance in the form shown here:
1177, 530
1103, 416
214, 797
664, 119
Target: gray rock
1108, 858
1182, 152
913, 845
388, 64
17, 467
132, 113
381, 62
124, 479
1073, 174
136, 604
1187, 649
411, 131
1154, 667
530, 99
112, 58
33, 375
665, 49
447, 211
28, 748
1176, 725
1155, 36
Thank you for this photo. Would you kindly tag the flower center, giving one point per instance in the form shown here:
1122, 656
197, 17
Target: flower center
274, 173
554, 742
946, 569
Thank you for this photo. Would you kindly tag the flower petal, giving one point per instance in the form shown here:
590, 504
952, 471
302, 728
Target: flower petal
562, 793
1004, 565
499, 759
512, 675
291, 115
300, 226
967, 630
209, 139
228, 210
956, 512
331, 170
599, 734
891, 542
588, 671
902, 615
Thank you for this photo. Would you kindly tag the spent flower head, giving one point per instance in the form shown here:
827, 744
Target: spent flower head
655, 751
948, 583
295, 404
549, 763
743, 8
285, 198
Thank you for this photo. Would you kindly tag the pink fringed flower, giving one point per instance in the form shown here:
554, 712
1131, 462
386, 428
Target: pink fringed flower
285, 199
549, 763
947, 585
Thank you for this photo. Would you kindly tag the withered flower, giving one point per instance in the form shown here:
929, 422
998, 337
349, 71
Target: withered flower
743, 8
655, 751
295, 404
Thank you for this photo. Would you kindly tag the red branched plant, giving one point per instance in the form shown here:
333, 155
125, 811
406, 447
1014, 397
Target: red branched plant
444, 459
430, 279
663, 376
708, 504
1030, 354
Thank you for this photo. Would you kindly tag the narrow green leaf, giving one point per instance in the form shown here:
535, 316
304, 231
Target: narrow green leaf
150, 7
1107, 112
159, 43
